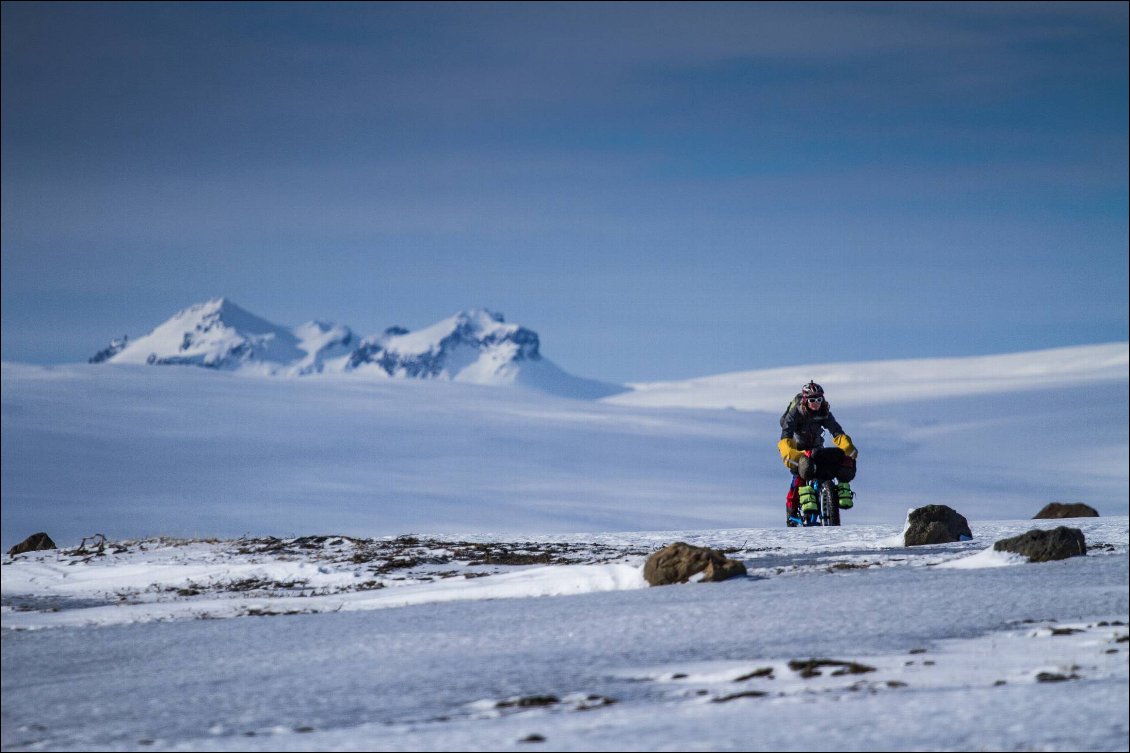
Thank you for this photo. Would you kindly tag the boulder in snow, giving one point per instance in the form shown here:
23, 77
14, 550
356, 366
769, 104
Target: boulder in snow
1043, 546
680, 562
33, 543
1065, 510
935, 524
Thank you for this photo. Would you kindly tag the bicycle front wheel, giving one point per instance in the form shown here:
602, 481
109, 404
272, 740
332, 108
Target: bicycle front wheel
829, 505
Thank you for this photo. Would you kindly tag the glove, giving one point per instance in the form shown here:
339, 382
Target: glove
789, 453
843, 441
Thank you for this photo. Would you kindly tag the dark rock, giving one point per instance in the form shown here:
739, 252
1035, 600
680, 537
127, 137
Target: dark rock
530, 701
811, 667
1064, 510
1066, 631
116, 346
936, 524
1042, 546
743, 694
679, 562
33, 543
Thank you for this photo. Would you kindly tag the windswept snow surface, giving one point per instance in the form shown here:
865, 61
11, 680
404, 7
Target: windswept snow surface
162, 644
1086, 367
136, 451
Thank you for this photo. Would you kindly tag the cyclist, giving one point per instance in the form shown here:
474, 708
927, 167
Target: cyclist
802, 448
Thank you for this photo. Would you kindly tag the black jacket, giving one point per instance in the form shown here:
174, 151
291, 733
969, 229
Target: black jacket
806, 428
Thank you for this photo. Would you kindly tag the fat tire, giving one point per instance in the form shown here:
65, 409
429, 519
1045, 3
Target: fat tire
829, 505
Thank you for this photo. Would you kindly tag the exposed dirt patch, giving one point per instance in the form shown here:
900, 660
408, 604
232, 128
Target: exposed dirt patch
407, 552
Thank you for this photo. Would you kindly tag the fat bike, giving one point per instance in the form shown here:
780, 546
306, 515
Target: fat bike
828, 513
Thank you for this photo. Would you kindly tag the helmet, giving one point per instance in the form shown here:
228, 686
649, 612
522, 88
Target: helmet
812, 389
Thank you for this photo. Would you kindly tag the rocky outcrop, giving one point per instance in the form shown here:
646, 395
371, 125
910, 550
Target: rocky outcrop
1043, 546
33, 543
115, 347
680, 562
935, 524
1055, 510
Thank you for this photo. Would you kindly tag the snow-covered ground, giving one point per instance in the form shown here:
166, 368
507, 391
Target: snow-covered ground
341, 563
430, 644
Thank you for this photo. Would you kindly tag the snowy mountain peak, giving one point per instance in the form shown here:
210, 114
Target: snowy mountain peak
466, 325
221, 312
477, 328
476, 345
219, 334
220, 316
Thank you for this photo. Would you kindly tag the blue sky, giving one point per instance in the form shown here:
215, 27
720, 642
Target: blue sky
660, 191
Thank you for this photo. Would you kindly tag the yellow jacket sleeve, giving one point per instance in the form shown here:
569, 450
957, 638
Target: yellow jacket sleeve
843, 441
789, 453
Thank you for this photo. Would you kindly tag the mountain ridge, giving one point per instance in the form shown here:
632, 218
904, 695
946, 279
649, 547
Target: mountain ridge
474, 345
